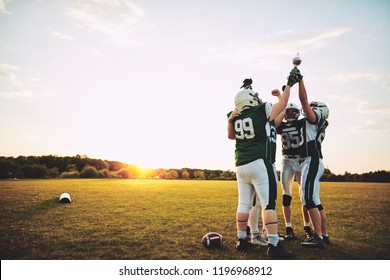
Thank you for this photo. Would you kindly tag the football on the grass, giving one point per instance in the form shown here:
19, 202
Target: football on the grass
212, 240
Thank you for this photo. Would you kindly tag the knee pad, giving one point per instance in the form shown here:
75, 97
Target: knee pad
310, 205
320, 207
286, 200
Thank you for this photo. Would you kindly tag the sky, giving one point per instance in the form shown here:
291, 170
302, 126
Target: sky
150, 82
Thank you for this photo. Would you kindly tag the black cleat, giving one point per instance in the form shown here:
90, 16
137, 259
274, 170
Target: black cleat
243, 244
315, 242
326, 240
308, 232
278, 252
289, 234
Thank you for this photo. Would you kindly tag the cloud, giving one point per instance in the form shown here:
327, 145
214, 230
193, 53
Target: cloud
25, 96
362, 93
285, 42
362, 103
3, 4
350, 77
114, 18
62, 36
348, 98
19, 84
374, 115
378, 108
6, 70
319, 38
377, 126
7, 73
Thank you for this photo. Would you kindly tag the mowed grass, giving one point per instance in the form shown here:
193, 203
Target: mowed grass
164, 219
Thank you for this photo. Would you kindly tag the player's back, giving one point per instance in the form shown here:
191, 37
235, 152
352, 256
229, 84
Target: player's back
254, 135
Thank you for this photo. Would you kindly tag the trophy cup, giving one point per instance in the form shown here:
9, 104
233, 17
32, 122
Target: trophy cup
295, 75
297, 60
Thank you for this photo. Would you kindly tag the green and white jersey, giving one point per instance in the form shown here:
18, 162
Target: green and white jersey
312, 136
255, 135
291, 137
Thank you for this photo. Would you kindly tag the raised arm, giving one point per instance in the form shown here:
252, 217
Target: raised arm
279, 118
230, 124
310, 115
278, 107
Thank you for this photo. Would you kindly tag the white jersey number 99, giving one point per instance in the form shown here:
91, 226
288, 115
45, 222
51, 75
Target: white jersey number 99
244, 129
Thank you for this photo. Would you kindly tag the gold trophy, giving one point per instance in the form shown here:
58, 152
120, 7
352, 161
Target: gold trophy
297, 60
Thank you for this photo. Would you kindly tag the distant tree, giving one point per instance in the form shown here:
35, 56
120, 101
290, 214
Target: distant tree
225, 175
70, 167
382, 176
20, 160
104, 173
97, 163
185, 174
214, 175
161, 173
115, 165
53, 172
327, 174
49, 161
228, 175
34, 171
7, 168
52, 166
124, 173
199, 175
89, 172
172, 174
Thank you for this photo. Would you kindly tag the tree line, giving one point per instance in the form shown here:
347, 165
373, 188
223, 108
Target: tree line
81, 166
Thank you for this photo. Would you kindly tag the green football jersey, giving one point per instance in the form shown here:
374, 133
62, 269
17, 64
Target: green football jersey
291, 137
255, 135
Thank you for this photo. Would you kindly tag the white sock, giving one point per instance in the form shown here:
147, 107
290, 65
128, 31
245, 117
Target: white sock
289, 225
273, 239
241, 234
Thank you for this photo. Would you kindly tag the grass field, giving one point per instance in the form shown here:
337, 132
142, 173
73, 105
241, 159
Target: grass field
164, 219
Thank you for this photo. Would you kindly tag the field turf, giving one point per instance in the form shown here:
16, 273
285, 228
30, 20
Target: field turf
120, 219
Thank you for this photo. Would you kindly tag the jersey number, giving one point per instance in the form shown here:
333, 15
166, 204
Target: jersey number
291, 139
244, 129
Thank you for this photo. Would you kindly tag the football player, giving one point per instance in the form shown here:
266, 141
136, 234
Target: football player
313, 129
252, 126
253, 221
291, 140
